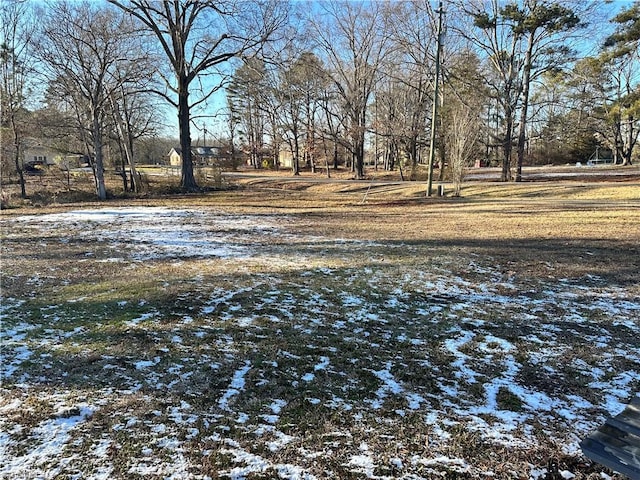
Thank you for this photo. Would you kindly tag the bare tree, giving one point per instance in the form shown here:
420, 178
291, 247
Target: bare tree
462, 123
354, 39
198, 38
291, 98
249, 101
462, 134
333, 124
17, 29
299, 91
133, 106
134, 115
410, 74
89, 53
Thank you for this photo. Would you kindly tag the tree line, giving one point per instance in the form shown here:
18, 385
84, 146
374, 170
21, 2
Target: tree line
328, 83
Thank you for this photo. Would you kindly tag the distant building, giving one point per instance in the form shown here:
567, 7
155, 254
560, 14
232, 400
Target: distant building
201, 156
285, 158
37, 153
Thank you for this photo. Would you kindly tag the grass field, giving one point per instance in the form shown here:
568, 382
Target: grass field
302, 330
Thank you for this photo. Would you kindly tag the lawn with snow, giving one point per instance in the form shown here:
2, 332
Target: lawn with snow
194, 343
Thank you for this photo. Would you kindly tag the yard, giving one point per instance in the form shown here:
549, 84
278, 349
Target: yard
316, 331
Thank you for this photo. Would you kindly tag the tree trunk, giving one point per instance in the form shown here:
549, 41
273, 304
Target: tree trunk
98, 170
17, 158
309, 147
395, 154
359, 142
187, 181
135, 178
359, 160
526, 80
123, 166
506, 145
413, 154
126, 147
98, 167
296, 154
358, 149
326, 155
617, 140
631, 140
442, 154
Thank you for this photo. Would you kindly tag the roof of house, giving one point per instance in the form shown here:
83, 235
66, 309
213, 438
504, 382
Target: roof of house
208, 151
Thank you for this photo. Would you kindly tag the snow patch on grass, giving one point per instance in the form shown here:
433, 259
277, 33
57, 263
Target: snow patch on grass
47, 442
282, 364
236, 386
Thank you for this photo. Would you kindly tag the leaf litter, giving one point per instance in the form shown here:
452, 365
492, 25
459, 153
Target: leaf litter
283, 355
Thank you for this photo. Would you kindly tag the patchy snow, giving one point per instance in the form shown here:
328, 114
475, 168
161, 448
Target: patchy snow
324, 363
237, 384
280, 442
48, 440
142, 318
363, 463
145, 364
159, 232
252, 463
298, 334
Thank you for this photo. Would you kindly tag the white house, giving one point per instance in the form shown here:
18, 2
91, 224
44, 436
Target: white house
36, 153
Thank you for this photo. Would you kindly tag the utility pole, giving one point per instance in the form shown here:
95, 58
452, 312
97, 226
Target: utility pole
432, 146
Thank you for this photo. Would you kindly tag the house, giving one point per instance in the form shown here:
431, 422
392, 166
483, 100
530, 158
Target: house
201, 156
285, 158
36, 153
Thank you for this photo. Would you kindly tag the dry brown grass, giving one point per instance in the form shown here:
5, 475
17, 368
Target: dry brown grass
561, 217
560, 222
